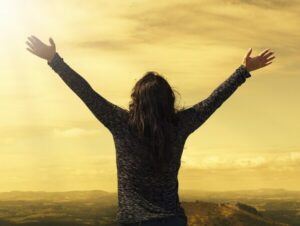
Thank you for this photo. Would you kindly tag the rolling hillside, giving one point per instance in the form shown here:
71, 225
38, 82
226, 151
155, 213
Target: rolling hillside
95, 208
225, 214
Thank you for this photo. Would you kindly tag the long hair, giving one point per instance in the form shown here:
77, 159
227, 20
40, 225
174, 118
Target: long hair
151, 115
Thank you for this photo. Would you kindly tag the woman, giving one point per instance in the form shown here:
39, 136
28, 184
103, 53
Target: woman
149, 137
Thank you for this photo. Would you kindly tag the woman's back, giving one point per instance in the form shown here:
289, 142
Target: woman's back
142, 194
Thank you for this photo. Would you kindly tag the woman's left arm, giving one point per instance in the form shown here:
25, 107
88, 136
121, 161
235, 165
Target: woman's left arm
106, 112
109, 114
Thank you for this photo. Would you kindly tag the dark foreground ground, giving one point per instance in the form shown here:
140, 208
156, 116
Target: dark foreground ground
82, 208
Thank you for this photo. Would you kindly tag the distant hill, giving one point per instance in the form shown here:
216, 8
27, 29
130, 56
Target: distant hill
56, 196
266, 194
98, 208
225, 214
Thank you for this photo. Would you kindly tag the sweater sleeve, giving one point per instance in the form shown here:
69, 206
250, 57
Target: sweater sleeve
193, 117
109, 114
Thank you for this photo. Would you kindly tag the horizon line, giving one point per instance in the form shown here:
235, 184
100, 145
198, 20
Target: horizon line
181, 190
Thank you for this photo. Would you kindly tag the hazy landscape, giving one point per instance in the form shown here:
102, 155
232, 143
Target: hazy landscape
79, 208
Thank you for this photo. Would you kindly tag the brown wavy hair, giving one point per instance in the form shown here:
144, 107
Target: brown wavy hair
151, 114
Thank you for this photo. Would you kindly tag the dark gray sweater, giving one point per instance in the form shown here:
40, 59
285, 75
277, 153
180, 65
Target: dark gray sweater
141, 194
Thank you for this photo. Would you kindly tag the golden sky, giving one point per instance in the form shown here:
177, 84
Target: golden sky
50, 141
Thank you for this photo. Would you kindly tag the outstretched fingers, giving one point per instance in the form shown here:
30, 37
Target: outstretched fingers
270, 58
32, 40
32, 51
266, 56
30, 44
264, 52
266, 64
263, 59
36, 40
248, 53
268, 61
51, 42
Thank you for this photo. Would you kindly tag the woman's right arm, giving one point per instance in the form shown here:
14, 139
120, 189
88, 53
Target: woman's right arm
194, 116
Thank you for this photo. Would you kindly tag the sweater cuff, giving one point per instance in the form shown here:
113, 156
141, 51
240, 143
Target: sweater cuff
243, 70
55, 60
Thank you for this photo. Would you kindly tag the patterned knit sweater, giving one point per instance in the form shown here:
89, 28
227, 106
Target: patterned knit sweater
141, 194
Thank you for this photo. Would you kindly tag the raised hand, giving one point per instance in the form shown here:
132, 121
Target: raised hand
263, 59
40, 49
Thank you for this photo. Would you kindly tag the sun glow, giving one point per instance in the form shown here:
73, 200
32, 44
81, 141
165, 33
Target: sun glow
10, 17
12, 26
46, 132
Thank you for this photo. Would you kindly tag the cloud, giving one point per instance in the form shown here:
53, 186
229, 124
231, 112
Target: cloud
213, 22
274, 162
75, 132
12, 133
266, 4
206, 24
106, 44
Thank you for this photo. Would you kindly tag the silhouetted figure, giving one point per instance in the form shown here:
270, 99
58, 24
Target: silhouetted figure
149, 137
